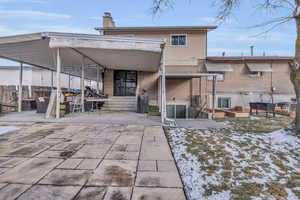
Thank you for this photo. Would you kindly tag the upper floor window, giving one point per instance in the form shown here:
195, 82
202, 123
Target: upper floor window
255, 74
178, 40
220, 76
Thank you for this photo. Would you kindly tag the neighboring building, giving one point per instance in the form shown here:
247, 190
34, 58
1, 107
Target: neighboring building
34, 80
251, 79
241, 80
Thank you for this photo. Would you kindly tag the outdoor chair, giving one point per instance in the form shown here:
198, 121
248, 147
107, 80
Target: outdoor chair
77, 104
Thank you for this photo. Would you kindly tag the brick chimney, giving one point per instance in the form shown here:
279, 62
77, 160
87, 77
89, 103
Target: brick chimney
108, 21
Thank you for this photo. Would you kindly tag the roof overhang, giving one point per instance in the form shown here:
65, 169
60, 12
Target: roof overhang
39, 49
189, 75
232, 59
158, 28
259, 67
218, 67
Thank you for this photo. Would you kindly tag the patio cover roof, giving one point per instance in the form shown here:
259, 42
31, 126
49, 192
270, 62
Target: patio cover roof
189, 75
259, 67
218, 67
39, 49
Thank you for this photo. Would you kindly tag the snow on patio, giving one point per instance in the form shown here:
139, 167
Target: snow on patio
7, 129
227, 164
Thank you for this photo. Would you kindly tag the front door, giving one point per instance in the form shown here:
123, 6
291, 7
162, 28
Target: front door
125, 83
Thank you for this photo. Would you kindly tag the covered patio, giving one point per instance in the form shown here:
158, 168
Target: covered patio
85, 56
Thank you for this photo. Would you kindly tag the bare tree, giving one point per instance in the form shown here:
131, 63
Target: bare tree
225, 9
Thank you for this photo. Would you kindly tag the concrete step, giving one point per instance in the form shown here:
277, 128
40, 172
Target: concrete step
122, 100
120, 104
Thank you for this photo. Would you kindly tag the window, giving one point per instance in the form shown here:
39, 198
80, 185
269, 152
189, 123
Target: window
255, 74
224, 102
220, 76
178, 40
176, 111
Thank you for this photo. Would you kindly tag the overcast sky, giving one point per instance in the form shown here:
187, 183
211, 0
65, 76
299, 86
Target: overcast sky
234, 37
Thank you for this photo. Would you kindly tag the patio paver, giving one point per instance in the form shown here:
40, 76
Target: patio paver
88, 161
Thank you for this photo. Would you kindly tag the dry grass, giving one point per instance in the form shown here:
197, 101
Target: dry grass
242, 160
258, 125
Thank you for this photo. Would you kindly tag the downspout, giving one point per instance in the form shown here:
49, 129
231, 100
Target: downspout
272, 89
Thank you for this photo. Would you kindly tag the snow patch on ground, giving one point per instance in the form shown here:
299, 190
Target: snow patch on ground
256, 162
7, 129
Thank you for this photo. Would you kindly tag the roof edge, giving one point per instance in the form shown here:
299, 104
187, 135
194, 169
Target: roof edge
166, 28
249, 58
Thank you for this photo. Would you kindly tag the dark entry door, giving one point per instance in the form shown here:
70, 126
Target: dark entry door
125, 83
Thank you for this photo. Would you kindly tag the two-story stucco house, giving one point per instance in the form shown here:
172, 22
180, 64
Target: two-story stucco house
241, 79
169, 63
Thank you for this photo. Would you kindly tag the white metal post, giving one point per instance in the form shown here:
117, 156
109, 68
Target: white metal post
69, 82
98, 77
58, 92
52, 80
20, 88
82, 84
163, 85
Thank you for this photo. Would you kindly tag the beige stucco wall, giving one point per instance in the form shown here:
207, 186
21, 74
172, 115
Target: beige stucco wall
178, 88
108, 82
179, 59
195, 49
240, 81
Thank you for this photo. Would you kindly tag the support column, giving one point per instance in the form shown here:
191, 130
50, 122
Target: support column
20, 92
52, 84
98, 77
58, 89
82, 84
214, 96
69, 82
163, 85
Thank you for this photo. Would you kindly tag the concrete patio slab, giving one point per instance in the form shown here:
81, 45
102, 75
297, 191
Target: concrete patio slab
158, 179
120, 155
118, 193
12, 191
166, 166
140, 193
156, 152
12, 162
92, 151
91, 193
66, 177
89, 164
147, 166
35, 169
2, 185
114, 173
29, 150
70, 163
87, 161
50, 192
